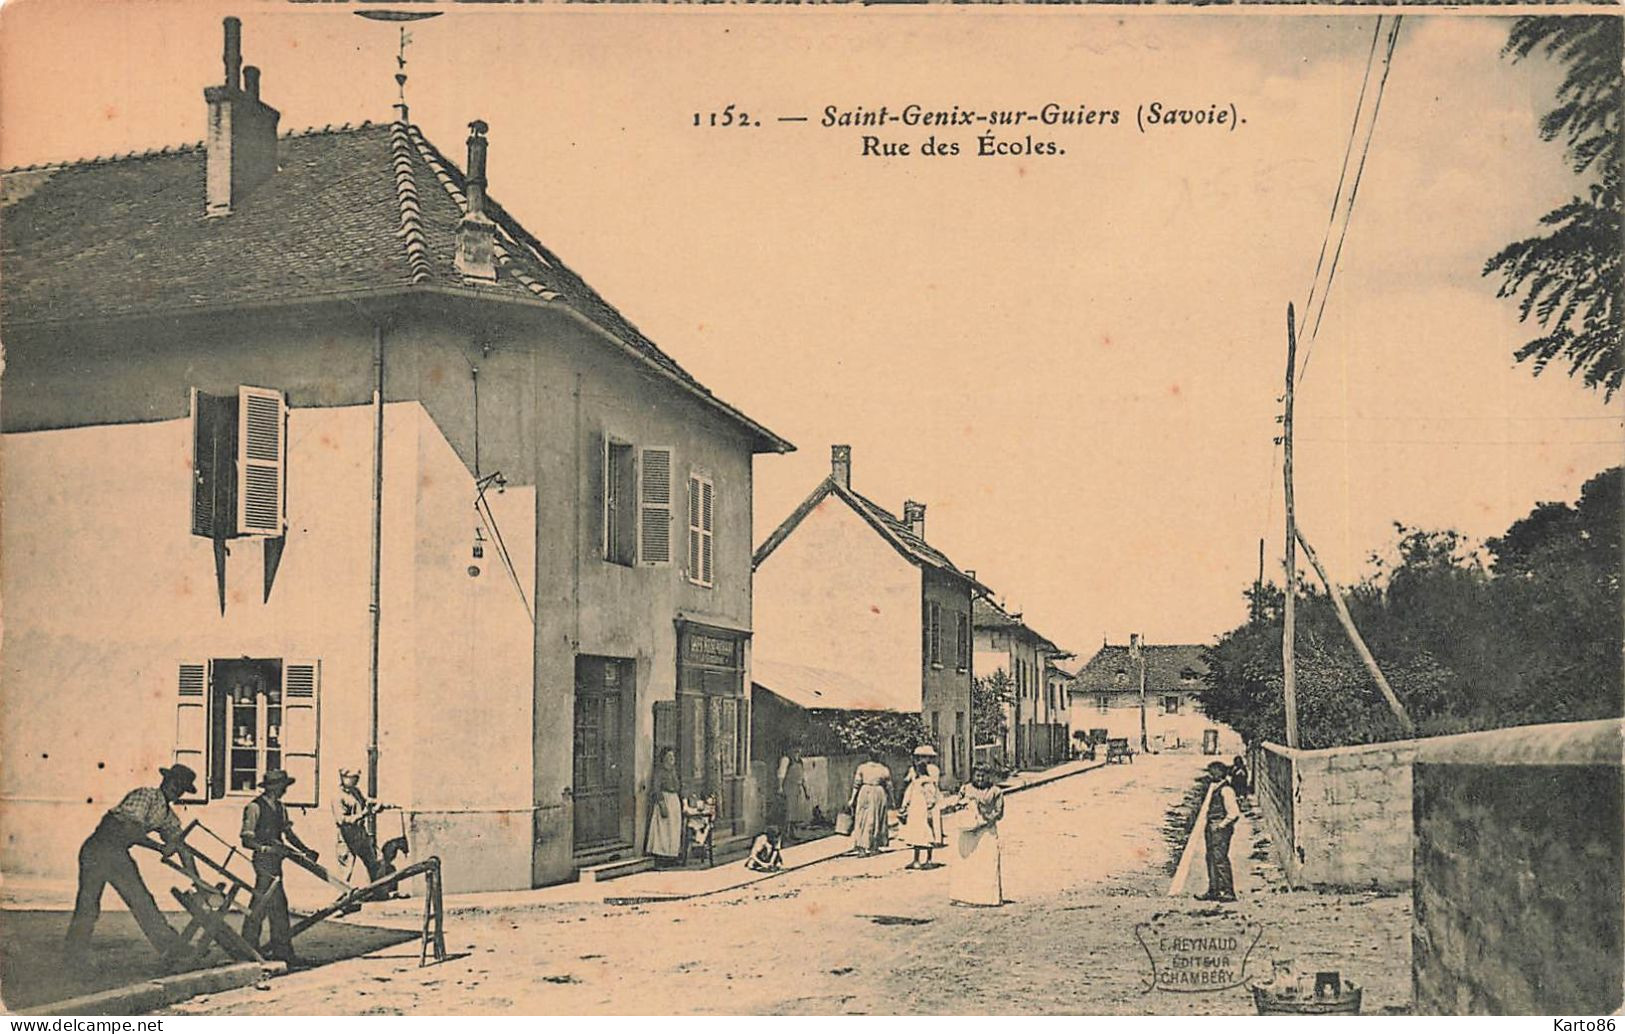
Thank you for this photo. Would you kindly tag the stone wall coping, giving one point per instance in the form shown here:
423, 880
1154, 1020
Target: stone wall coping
1599, 742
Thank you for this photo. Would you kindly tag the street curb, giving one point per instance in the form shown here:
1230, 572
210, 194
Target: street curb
1055, 778
633, 899
143, 997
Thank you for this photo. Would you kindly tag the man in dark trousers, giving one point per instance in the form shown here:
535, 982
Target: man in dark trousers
105, 858
1222, 812
268, 832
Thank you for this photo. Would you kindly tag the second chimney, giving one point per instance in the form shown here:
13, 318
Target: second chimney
476, 234
914, 517
241, 136
840, 465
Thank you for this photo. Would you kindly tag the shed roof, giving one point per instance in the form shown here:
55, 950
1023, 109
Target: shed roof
826, 689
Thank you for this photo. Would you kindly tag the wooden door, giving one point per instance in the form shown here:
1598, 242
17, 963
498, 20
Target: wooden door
603, 760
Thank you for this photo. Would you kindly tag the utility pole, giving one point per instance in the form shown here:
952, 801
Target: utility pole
377, 556
1288, 666
1258, 586
1138, 647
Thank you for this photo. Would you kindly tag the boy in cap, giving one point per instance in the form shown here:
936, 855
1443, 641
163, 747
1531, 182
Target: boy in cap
105, 858
1222, 812
268, 832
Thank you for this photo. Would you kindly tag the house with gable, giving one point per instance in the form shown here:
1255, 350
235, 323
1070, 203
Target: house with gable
313, 456
1105, 694
1036, 718
844, 586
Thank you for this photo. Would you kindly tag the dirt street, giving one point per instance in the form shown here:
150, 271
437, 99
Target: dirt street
1086, 859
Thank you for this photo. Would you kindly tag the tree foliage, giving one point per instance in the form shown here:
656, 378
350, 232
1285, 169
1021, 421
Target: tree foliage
1532, 634
1569, 276
855, 732
990, 697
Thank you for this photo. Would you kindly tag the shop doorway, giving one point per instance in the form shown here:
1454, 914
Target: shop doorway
602, 784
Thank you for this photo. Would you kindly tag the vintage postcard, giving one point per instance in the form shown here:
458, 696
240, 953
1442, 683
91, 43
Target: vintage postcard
768, 510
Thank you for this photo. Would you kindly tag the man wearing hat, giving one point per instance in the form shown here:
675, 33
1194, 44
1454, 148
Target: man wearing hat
105, 858
268, 832
1222, 812
928, 754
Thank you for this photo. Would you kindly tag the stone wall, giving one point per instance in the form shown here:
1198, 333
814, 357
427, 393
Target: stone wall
1339, 817
1517, 904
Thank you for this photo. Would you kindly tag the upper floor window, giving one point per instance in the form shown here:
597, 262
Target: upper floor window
636, 503
1102, 702
934, 633
701, 530
1170, 704
239, 463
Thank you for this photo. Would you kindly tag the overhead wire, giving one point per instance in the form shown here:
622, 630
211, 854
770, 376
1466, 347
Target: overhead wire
1354, 190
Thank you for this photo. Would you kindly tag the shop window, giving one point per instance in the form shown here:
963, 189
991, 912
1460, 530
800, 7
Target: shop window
237, 719
239, 463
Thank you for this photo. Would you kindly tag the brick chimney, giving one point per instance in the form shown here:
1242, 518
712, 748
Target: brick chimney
840, 465
476, 234
914, 517
241, 136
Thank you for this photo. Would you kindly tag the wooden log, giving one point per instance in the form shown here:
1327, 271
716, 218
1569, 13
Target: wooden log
1360, 648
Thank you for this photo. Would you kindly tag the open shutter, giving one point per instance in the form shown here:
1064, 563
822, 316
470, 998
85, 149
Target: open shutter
707, 491
598, 488
694, 549
301, 726
261, 461
654, 517
192, 724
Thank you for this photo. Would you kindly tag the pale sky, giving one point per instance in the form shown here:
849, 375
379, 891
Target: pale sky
1073, 360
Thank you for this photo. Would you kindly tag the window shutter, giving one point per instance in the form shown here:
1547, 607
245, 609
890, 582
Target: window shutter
192, 723
707, 493
301, 727
654, 523
600, 489
261, 461
695, 528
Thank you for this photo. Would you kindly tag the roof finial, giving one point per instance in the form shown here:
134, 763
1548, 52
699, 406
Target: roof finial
401, 112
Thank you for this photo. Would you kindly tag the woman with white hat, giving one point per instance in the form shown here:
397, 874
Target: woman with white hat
934, 774
920, 801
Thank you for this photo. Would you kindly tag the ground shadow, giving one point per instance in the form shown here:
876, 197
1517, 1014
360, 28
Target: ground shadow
32, 972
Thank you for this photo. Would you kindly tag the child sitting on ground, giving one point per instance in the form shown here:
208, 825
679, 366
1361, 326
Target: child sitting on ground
767, 853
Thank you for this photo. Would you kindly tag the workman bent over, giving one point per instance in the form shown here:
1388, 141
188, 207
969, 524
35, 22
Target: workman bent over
105, 858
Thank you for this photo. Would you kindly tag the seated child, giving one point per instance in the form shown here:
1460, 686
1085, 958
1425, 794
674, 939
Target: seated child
767, 853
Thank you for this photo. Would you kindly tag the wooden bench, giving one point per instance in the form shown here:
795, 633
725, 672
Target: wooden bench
1119, 750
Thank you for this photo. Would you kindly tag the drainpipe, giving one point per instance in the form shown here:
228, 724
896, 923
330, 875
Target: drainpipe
377, 551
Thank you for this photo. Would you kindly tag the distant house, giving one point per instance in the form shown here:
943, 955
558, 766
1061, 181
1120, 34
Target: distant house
1057, 694
314, 456
1105, 693
1036, 719
844, 586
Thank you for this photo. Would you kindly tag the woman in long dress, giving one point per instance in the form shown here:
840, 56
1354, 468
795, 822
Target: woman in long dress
871, 797
974, 878
665, 841
919, 811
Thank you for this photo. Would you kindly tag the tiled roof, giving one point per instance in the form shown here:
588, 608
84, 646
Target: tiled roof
913, 548
987, 614
1166, 668
351, 210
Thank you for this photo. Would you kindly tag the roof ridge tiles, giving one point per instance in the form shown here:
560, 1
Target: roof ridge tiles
411, 211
